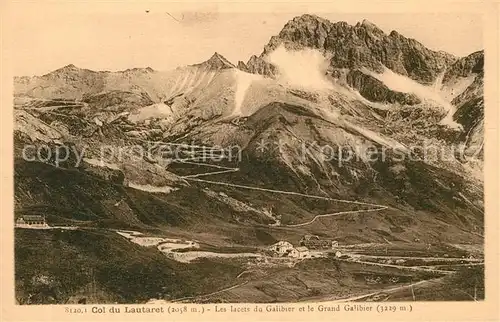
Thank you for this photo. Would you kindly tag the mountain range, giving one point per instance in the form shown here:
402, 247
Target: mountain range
318, 91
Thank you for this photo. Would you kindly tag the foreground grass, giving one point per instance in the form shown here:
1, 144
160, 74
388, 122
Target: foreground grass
467, 284
57, 266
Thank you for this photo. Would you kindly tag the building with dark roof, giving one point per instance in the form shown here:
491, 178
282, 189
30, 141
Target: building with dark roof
31, 221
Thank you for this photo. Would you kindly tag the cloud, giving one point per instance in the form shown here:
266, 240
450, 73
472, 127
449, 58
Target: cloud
304, 68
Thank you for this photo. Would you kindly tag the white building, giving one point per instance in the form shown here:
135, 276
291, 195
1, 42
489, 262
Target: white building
302, 252
293, 253
281, 247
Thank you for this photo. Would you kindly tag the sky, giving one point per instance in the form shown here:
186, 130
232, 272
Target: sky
44, 39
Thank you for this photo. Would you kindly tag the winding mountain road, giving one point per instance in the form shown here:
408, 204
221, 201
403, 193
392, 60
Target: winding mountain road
196, 177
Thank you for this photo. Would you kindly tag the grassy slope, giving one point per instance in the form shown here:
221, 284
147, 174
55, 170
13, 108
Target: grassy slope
55, 265
467, 283
316, 279
73, 195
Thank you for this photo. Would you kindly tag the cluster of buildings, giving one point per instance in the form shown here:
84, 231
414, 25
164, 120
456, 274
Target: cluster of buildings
286, 249
307, 245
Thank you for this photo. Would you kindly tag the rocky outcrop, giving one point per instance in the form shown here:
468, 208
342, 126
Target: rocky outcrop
257, 65
472, 64
374, 90
470, 106
147, 70
242, 66
117, 101
470, 114
470, 103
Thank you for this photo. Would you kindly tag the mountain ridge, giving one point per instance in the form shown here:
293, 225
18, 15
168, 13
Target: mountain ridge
362, 45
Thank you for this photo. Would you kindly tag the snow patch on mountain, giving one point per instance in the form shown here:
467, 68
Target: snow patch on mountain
243, 82
151, 188
458, 86
158, 110
401, 83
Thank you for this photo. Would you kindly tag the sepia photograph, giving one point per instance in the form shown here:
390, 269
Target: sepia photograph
210, 156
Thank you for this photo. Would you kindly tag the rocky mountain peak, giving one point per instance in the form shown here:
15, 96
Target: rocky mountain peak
361, 46
217, 61
68, 70
302, 31
309, 18
242, 66
371, 27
